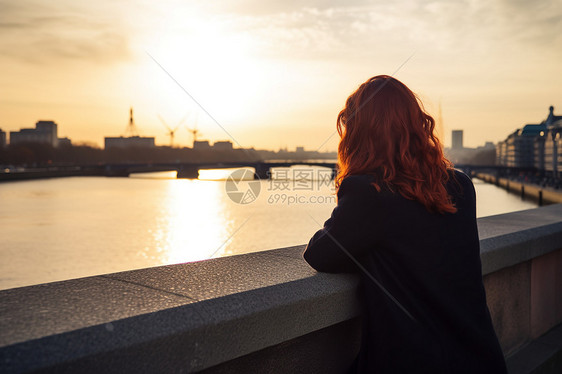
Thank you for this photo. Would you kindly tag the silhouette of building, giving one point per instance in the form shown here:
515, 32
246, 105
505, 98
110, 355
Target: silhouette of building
482, 155
553, 143
225, 145
201, 145
129, 142
2, 139
457, 139
44, 132
538, 148
65, 142
534, 146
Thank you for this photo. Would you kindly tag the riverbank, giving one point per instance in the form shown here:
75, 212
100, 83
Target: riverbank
53, 172
543, 195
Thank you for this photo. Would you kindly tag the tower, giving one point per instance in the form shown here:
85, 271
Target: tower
457, 139
131, 129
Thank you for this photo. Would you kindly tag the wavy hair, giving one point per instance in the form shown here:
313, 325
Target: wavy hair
385, 132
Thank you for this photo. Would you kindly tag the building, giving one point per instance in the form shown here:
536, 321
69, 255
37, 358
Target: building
457, 139
223, 146
539, 151
521, 146
553, 144
534, 146
129, 142
482, 155
2, 139
66, 142
501, 153
44, 132
201, 145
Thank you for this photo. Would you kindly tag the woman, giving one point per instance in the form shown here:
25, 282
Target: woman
406, 222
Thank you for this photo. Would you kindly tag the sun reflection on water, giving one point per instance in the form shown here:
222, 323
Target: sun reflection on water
184, 236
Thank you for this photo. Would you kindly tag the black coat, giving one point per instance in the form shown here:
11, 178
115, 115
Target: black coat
421, 276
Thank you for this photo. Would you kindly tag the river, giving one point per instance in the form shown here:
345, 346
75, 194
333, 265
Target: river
58, 229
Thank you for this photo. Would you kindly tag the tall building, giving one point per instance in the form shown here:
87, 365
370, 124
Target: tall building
44, 132
2, 139
457, 139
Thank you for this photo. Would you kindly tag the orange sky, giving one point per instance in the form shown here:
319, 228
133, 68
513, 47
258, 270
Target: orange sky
273, 74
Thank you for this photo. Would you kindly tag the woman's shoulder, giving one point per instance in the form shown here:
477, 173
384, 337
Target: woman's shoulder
461, 176
358, 182
361, 185
460, 179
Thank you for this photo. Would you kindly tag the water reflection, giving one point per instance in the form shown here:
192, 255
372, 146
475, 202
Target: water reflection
73, 227
224, 174
172, 174
194, 222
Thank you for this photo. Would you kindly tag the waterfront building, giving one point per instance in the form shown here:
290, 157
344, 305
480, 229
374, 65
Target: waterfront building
553, 144
521, 146
534, 146
553, 150
44, 132
539, 151
501, 153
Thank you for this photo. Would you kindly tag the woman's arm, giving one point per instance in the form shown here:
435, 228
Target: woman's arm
349, 232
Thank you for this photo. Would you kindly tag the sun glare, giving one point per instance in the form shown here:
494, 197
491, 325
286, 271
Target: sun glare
213, 64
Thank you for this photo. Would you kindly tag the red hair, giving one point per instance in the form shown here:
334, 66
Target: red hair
386, 132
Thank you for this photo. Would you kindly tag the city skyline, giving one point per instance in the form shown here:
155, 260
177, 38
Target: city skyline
273, 75
200, 141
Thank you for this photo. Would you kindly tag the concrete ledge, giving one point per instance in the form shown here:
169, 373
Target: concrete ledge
541, 356
217, 314
512, 238
211, 311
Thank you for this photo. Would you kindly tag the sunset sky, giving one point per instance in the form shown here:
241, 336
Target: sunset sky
273, 73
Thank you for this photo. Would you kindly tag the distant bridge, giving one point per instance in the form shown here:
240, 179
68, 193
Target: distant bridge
262, 168
191, 169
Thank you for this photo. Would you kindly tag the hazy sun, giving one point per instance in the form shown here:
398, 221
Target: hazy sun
217, 68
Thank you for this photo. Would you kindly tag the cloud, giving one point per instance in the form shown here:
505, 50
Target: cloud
358, 29
46, 34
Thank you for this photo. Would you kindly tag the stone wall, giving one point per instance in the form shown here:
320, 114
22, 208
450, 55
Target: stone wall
266, 312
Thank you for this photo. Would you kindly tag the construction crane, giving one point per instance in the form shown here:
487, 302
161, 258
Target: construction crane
194, 131
171, 132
